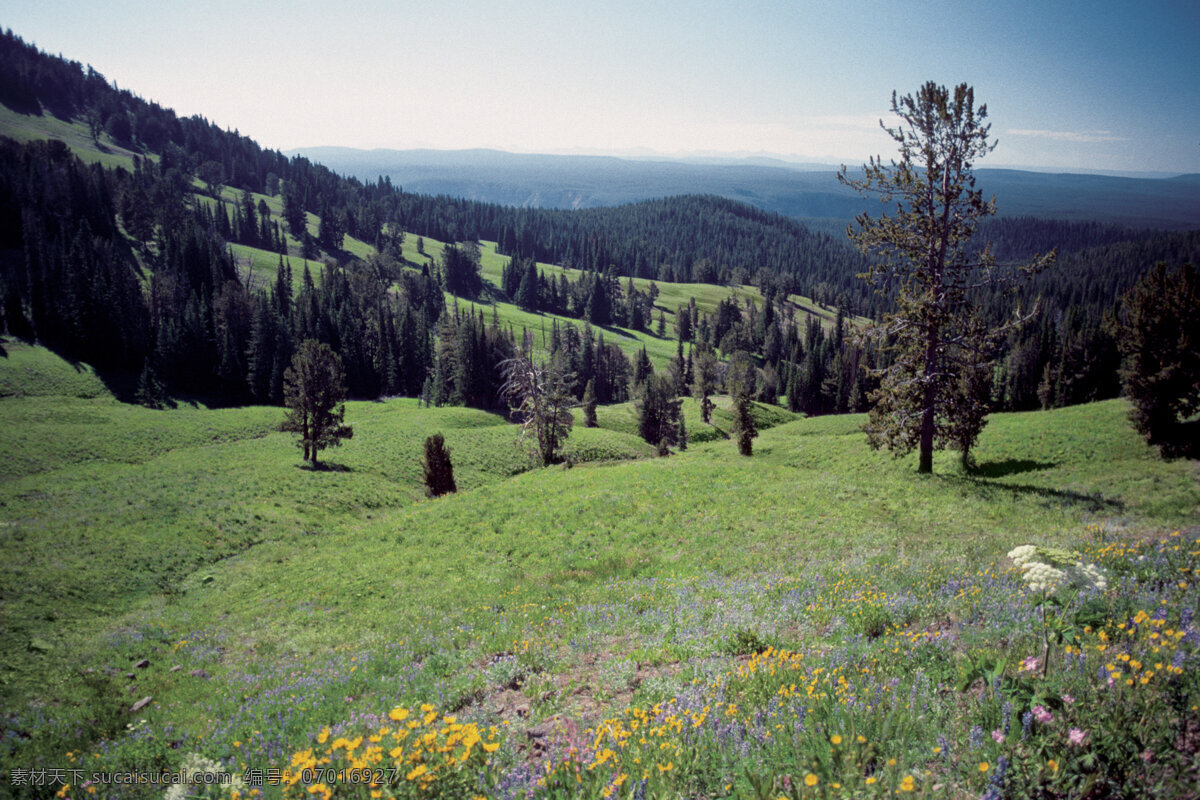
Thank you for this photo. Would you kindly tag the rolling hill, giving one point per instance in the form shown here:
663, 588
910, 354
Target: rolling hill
256, 613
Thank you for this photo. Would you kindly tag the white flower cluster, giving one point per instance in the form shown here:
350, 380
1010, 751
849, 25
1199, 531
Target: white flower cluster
1042, 577
1047, 569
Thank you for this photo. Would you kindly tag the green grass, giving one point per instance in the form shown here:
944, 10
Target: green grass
28, 128
195, 538
27, 371
671, 296
540, 326
95, 511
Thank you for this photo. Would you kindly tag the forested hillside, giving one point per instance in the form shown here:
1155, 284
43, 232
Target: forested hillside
194, 260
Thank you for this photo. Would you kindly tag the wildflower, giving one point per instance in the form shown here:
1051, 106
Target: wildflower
835, 739
1030, 664
998, 736
1068, 700
984, 766
1076, 737
1046, 569
995, 790
1042, 715
810, 779
906, 783
1023, 554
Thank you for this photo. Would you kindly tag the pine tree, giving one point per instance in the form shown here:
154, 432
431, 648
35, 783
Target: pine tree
527, 295
934, 335
643, 368
150, 391
439, 472
589, 405
1158, 333
683, 323
314, 391
704, 384
740, 382
658, 411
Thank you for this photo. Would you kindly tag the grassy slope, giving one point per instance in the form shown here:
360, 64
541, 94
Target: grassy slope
163, 524
27, 128
90, 488
671, 296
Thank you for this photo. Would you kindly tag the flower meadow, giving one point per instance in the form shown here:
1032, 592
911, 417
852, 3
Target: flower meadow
854, 681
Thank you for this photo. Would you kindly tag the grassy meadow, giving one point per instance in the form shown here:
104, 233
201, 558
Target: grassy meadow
103, 151
814, 621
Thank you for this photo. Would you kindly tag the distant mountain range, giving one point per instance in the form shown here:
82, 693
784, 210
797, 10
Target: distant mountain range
804, 191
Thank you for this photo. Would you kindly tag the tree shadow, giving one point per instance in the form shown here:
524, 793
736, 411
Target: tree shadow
324, 466
1012, 466
1095, 502
726, 434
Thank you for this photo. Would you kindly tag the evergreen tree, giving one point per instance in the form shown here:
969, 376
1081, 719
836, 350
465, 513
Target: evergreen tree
658, 411
293, 211
150, 391
741, 382
314, 391
439, 472
923, 251
589, 405
642, 368
1158, 333
460, 270
705, 384
527, 295
598, 310
683, 324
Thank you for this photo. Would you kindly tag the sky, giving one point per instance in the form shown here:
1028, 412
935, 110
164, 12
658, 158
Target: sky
1104, 85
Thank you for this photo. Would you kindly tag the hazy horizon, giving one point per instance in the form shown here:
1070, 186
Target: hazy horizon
783, 160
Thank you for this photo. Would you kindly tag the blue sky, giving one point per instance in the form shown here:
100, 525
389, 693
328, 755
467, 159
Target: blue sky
1101, 85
